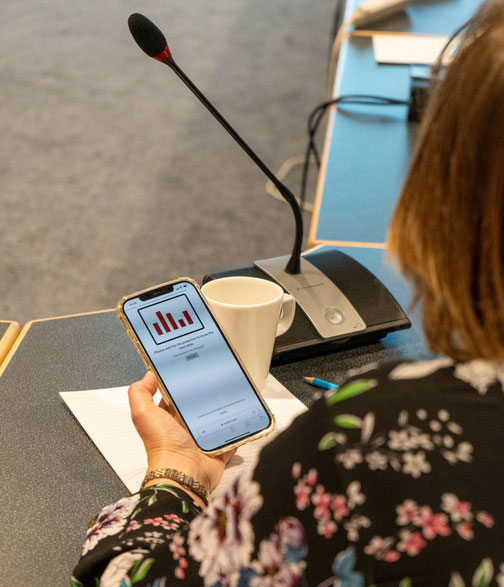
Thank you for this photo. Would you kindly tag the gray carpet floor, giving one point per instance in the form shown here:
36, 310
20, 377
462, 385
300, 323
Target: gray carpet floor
112, 176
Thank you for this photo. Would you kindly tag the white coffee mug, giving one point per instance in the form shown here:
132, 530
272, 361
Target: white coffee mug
252, 312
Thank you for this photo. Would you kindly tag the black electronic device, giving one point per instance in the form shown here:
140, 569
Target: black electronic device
339, 302
378, 311
422, 79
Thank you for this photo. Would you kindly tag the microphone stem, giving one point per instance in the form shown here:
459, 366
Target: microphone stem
293, 265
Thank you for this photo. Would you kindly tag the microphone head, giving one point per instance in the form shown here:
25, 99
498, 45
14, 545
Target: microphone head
148, 37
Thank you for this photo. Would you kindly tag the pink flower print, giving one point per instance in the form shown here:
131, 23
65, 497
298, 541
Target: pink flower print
322, 502
391, 556
378, 546
154, 521
179, 570
458, 510
177, 546
302, 491
178, 553
432, 524
304, 486
380, 549
339, 507
411, 542
172, 523
407, 512
485, 518
326, 528
311, 477
465, 530
133, 525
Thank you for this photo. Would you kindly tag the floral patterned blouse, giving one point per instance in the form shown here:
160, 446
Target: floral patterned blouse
395, 479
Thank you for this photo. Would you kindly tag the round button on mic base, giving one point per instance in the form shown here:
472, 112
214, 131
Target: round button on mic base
334, 316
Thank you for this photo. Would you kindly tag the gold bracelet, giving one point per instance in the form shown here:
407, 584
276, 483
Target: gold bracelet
185, 480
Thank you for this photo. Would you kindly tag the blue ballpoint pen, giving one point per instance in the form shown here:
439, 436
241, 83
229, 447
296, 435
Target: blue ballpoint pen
320, 383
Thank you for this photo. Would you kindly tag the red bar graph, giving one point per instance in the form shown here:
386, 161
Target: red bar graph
172, 322
163, 321
170, 319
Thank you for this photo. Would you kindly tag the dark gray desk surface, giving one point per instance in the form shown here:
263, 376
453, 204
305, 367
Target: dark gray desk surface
368, 148
53, 478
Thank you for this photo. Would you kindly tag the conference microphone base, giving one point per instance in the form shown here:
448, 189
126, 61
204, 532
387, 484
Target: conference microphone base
339, 303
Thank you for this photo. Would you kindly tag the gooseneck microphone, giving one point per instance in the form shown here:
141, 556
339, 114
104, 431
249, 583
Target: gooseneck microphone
152, 41
338, 301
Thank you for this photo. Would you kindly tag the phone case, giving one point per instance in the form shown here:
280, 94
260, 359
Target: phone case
164, 392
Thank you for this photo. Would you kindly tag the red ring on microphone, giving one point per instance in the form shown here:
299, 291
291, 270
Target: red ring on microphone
166, 54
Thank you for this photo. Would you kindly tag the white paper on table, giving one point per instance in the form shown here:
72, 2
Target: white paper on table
405, 49
105, 416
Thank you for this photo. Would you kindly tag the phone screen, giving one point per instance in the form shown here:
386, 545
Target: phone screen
197, 366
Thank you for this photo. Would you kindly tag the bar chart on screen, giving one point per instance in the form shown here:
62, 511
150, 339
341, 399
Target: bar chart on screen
170, 319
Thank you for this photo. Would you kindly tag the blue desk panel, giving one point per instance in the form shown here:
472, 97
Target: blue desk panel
369, 148
369, 152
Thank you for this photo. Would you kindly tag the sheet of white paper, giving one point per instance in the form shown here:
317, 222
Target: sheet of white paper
105, 416
405, 49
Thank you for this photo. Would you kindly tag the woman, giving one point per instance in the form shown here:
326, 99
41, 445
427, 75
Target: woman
397, 478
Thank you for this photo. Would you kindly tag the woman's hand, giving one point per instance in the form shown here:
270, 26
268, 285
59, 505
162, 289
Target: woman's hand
167, 442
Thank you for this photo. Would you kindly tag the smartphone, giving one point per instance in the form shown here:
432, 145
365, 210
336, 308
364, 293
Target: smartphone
199, 373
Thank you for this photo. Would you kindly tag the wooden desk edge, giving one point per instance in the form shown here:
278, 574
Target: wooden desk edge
374, 33
363, 245
8, 339
319, 192
17, 338
317, 204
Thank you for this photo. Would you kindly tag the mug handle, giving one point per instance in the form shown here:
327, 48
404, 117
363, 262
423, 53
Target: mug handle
286, 314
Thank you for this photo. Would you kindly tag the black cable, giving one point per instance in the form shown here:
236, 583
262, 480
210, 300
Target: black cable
313, 124
318, 113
